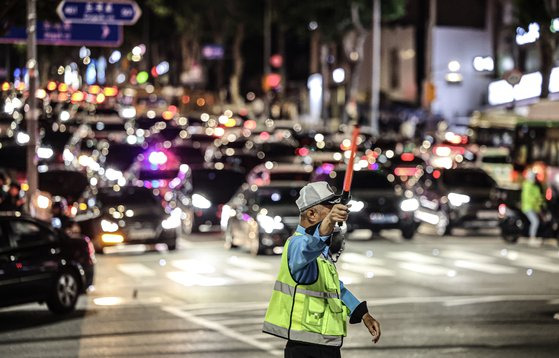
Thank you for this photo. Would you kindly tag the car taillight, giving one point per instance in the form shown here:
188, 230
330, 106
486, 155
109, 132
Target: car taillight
90, 249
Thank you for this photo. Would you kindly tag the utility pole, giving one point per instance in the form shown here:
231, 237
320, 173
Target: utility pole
267, 53
32, 115
375, 80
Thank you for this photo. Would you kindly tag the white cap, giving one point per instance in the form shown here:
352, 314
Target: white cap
316, 193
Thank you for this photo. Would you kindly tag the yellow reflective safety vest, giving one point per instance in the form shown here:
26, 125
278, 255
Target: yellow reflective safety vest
312, 313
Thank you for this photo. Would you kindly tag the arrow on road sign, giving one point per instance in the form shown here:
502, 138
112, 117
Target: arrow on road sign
118, 12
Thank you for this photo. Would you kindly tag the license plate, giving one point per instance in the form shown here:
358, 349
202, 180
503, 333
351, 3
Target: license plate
141, 234
488, 214
379, 218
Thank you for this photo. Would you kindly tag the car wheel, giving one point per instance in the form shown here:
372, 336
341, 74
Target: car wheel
408, 232
510, 238
229, 240
65, 293
172, 245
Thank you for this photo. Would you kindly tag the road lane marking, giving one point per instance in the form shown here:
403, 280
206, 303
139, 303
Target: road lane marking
248, 275
194, 266
537, 262
368, 271
192, 279
224, 330
553, 254
249, 263
485, 267
136, 270
432, 270
352, 257
464, 255
414, 257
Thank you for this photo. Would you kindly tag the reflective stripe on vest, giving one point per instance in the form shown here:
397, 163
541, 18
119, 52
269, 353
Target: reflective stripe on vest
302, 336
290, 290
312, 313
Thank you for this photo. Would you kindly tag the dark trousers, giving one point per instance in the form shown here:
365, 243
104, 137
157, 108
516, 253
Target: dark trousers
308, 350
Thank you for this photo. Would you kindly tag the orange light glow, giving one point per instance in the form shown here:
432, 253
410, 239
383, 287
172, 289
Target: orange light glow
21, 86
5, 86
250, 124
62, 97
110, 91
200, 102
94, 89
185, 99
62, 87
51, 86
100, 98
231, 122
167, 115
77, 96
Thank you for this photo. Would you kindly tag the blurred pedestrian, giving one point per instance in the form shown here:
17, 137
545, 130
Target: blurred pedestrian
310, 305
531, 202
13, 200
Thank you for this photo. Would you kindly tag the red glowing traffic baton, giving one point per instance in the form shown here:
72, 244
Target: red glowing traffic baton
349, 170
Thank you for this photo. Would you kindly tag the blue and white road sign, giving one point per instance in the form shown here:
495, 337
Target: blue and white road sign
118, 12
68, 34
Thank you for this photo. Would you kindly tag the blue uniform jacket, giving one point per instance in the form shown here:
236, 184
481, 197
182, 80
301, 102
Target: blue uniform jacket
302, 251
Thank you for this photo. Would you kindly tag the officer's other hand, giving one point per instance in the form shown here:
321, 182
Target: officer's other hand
373, 326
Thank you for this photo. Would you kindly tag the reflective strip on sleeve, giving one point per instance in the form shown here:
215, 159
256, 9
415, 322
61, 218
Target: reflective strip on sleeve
302, 336
289, 290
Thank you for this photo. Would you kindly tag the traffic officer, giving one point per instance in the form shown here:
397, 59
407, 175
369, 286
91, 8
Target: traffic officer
309, 304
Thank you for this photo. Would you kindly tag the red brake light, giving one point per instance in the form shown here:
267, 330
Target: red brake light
407, 157
502, 209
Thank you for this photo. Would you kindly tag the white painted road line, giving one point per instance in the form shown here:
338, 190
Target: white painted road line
432, 270
414, 257
226, 331
485, 267
194, 266
464, 255
354, 258
136, 270
249, 263
248, 275
368, 271
192, 279
537, 262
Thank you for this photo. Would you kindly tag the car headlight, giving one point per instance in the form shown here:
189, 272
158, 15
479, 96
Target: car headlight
226, 213
356, 206
269, 224
173, 221
456, 199
409, 204
109, 226
200, 202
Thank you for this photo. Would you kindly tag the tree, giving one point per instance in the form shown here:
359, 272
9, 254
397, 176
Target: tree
541, 12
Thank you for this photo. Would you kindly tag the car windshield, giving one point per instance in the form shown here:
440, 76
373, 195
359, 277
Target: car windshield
218, 186
127, 196
269, 196
467, 178
158, 174
364, 180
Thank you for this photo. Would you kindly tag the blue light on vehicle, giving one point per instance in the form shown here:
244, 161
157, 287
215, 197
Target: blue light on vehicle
155, 184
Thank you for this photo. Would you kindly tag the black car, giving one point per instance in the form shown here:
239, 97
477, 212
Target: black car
39, 264
376, 202
128, 215
211, 189
261, 218
460, 197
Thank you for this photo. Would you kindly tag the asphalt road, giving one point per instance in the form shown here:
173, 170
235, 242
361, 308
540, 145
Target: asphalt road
465, 296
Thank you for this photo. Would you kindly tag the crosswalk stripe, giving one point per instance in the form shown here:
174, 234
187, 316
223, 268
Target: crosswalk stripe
432, 270
484, 267
192, 279
522, 259
367, 270
464, 255
136, 270
553, 254
249, 263
349, 279
194, 266
352, 257
248, 275
414, 257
